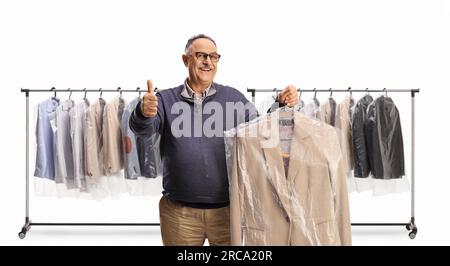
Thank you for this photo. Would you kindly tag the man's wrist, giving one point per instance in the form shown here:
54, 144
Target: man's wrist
140, 112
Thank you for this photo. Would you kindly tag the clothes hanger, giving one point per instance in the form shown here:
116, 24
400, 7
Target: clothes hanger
101, 93
301, 104
139, 90
385, 92
53, 89
70, 95
330, 99
119, 90
85, 92
276, 94
316, 101
351, 100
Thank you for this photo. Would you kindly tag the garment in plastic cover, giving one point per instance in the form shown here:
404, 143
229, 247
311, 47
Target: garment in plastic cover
45, 131
385, 139
309, 205
149, 155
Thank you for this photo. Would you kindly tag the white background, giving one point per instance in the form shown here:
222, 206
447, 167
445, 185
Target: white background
264, 44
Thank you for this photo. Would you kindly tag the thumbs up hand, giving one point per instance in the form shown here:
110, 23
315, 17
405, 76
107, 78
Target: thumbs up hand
149, 104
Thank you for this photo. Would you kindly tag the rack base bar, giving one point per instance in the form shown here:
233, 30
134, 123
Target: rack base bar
380, 224
409, 226
28, 225
95, 224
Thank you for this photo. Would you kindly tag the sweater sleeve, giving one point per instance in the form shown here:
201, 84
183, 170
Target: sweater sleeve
147, 126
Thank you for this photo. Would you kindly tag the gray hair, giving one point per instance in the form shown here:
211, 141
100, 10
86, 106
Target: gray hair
195, 37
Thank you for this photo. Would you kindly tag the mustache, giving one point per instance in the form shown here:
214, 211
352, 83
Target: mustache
206, 65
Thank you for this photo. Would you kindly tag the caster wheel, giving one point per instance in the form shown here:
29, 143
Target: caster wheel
408, 227
22, 235
413, 233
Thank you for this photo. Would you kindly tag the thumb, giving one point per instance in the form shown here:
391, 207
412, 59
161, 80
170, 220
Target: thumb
149, 86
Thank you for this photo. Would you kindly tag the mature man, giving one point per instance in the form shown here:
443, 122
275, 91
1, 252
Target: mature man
191, 119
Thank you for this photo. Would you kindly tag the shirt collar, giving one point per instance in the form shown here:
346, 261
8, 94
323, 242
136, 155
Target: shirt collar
191, 92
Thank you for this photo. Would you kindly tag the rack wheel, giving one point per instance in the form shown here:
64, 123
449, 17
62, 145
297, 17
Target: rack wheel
22, 235
408, 227
413, 233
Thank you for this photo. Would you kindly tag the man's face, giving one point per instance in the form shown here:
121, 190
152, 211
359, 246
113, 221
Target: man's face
202, 68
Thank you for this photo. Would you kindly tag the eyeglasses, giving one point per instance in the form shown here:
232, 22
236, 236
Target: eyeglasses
201, 56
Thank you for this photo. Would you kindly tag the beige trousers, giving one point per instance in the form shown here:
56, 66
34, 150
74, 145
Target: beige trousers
185, 226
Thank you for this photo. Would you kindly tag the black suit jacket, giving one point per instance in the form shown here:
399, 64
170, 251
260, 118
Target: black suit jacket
385, 140
359, 134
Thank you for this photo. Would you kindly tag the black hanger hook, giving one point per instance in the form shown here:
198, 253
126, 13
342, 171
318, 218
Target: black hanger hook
331, 92
139, 90
385, 92
53, 89
276, 94
70, 95
350, 90
299, 93
315, 93
85, 92
119, 90
101, 92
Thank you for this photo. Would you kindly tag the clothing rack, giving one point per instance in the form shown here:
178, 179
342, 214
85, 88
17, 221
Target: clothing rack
28, 222
411, 225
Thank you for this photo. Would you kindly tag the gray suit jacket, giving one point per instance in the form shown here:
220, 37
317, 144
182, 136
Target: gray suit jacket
130, 155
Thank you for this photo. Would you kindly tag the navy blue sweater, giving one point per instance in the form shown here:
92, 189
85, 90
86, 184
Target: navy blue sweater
194, 164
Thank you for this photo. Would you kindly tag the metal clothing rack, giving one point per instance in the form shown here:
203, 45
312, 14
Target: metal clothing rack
28, 222
411, 225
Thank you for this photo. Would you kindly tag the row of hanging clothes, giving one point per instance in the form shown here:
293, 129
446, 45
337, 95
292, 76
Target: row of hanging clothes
297, 165
88, 150
371, 139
